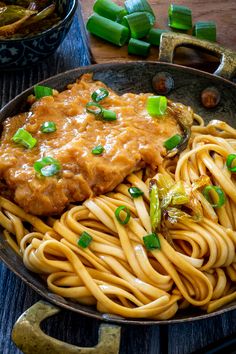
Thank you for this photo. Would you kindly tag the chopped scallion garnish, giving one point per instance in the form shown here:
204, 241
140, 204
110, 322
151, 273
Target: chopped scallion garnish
151, 242
42, 91
173, 142
138, 47
108, 115
135, 192
139, 24
154, 36
217, 192
109, 9
140, 6
99, 94
106, 29
98, 150
205, 30
24, 138
122, 210
48, 127
84, 240
180, 17
94, 108
47, 166
230, 162
156, 105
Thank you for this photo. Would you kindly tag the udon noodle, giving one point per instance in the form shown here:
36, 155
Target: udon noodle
196, 262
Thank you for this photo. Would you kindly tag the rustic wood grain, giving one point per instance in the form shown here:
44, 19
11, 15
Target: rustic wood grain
223, 13
16, 297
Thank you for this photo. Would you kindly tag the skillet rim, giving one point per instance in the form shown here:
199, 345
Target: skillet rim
55, 301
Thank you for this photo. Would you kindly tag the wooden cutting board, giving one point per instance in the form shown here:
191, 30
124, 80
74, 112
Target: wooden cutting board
222, 12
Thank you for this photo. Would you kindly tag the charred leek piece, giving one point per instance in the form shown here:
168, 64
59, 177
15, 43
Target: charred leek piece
109, 9
174, 215
9, 14
155, 210
176, 195
40, 4
106, 29
185, 138
40, 16
11, 28
140, 6
164, 183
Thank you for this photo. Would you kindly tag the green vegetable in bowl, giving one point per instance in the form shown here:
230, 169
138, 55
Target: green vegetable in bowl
12, 13
40, 4
25, 18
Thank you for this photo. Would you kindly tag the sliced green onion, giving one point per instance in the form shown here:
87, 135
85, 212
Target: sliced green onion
220, 196
155, 210
151, 242
48, 127
154, 36
122, 209
94, 108
109, 115
84, 240
139, 24
140, 6
99, 94
135, 192
109, 30
42, 91
230, 162
205, 30
24, 138
109, 9
156, 105
172, 142
124, 22
47, 166
138, 47
180, 17
98, 150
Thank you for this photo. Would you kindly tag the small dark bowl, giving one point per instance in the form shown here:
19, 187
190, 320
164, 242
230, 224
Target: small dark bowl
21, 52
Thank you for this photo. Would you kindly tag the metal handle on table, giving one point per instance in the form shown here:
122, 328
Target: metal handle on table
29, 338
170, 41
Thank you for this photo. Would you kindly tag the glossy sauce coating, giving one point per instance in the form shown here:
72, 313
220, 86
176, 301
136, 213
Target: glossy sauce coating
131, 142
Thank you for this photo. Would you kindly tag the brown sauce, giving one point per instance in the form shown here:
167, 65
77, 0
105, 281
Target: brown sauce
131, 142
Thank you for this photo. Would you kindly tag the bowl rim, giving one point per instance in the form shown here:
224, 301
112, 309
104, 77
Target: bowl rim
70, 13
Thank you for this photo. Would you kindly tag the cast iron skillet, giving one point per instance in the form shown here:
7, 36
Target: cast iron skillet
124, 77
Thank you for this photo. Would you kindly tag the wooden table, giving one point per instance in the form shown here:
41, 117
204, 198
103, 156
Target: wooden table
16, 297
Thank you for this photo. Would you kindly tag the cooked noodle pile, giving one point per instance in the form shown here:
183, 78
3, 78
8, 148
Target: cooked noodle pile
195, 265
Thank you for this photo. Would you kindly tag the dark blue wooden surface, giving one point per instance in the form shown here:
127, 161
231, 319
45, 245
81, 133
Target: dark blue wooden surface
16, 297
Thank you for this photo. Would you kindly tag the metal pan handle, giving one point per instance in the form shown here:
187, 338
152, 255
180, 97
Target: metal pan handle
29, 338
170, 41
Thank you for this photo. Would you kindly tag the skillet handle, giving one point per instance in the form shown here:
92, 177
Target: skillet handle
170, 41
29, 338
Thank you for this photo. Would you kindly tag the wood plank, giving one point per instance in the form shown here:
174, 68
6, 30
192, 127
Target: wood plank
222, 13
187, 338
